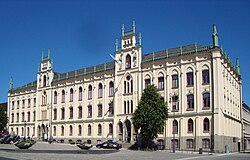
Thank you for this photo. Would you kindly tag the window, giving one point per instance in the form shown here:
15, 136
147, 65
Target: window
34, 102
90, 92
54, 131
175, 82
132, 109
89, 111
79, 130
190, 126
55, 114
55, 97
44, 80
63, 96
13, 105
125, 107
18, 104
29, 103
111, 108
23, 104
99, 110
80, 112
22, 132
111, 88
110, 128
190, 102
99, 130
190, 79
206, 125
160, 83
62, 131
63, 113
23, 117
205, 77
80, 94
34, 116
17, 131
89, 130
147, 82
128, 61
206, 100
190, 143
12, 117
70, 130
125, 87
175, 104
71, 113
17, 117
175, 142
206, 143
128, 85
100, 90
28, 116
71, 95
175, 127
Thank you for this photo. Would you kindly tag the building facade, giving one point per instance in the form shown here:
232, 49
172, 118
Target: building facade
246, 125
199, 83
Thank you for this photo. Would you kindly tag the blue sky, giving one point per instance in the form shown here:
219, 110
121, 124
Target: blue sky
82, 33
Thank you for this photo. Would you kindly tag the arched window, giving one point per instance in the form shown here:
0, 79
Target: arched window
100, 90
54, 131
111, 88
62, 113
128, 61
79, 130
44, 80
71, 95
190, 79
80, 94
206, 100
99, 129
175, 127
128, 85
190, 102
161, 83
110, 128
190, 125
28, 131
63, 96
55, 97
147, 82
206, 125
205, 76
90, 92
89, 130
175, 81
70, 130
62, 130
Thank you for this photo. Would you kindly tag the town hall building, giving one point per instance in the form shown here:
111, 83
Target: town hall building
201, 86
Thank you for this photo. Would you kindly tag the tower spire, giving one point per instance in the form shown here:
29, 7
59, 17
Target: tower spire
140, 38
49, 53
116, 45
238, 66
215, 36
11, 83
42, 55
123, 29
133, 26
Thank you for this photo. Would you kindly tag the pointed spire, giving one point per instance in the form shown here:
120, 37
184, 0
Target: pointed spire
140, 38
11, 83
215, 36
49, 53
133, 26
123, 29
42, 55
238, 66
116, 45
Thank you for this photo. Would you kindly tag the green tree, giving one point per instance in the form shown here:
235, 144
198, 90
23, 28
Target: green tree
3, 119
150, 115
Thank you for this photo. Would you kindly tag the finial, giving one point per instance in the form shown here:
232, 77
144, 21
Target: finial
42, 55
215, 36
238, 66
49, 53
11, 83
116, 45
123, 29
133, 26
140, 38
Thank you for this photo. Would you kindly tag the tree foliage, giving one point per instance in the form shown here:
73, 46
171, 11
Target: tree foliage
150, 114
3, 119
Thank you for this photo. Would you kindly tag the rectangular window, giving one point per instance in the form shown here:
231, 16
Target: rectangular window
34, 116
205, 77
55, 114
190, 102
28, 103
12, 118
206, 100
175, 104
23, 104
28, 117
13, 105
147, 82
18, 104
206, 143
111, 109
44, 114
23, 117
99, 110
190, 79
89, 111
161, 83
71, 113
17, 117
63, 113
190, 143
34, 102
175, 82
80, 112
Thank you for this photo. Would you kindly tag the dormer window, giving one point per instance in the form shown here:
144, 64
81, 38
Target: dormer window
128, 61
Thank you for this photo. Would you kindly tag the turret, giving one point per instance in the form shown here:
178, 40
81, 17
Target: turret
215, 37
237, 66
